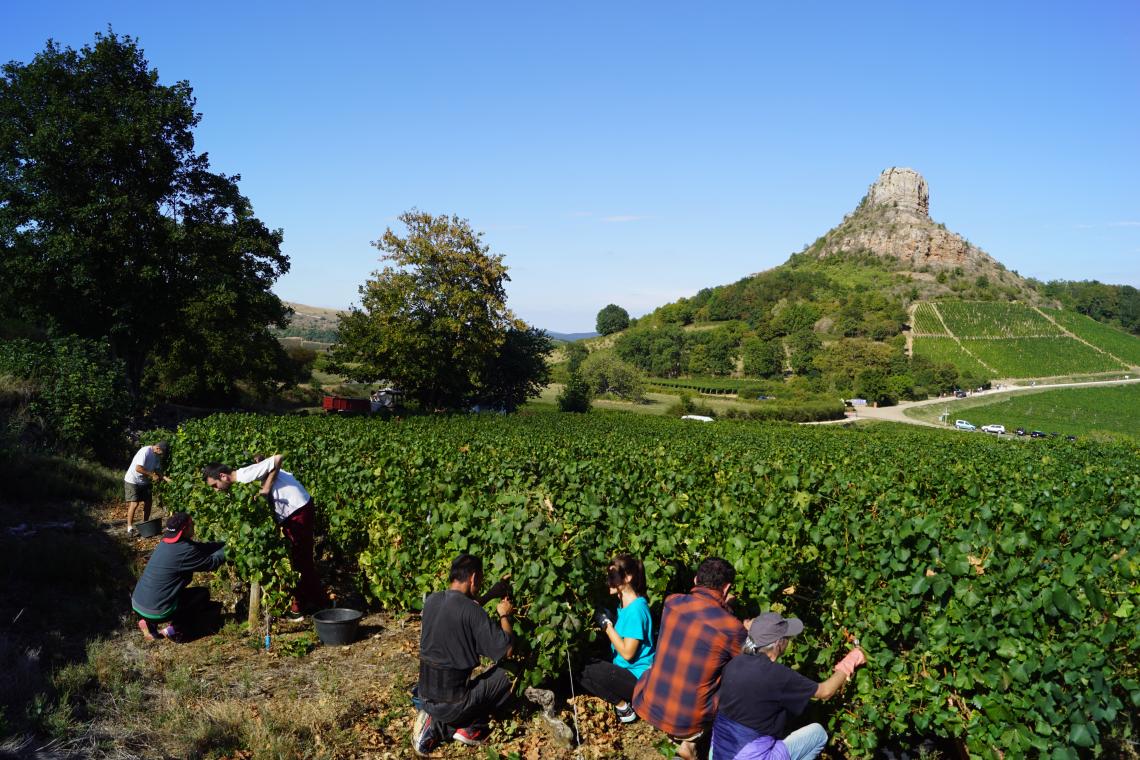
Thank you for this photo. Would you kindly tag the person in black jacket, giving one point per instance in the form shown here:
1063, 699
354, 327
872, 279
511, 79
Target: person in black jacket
161, 597
455, 636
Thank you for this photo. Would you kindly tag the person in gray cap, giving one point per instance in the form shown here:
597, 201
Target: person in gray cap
145, 468
757, 694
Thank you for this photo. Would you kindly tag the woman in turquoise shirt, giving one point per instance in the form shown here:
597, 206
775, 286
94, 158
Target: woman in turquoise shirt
631, 638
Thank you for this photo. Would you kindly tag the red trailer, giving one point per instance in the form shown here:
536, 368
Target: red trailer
342, 405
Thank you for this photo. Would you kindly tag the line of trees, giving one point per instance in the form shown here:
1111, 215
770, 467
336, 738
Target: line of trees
1113, 304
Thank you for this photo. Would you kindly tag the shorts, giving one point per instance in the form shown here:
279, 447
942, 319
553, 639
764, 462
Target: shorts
136, 491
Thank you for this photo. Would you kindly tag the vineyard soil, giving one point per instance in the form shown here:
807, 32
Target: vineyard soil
220, 696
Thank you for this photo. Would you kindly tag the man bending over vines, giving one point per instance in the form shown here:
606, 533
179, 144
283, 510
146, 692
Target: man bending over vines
293, 511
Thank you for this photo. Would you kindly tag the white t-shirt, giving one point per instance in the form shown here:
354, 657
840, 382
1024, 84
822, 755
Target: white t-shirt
149, 461
288, 495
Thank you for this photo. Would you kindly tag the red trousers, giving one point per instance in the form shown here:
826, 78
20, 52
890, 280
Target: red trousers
298, 529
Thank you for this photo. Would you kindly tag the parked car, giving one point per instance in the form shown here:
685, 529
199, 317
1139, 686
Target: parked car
1019, 431
1037, 434
959, 394
963, 425
995, 429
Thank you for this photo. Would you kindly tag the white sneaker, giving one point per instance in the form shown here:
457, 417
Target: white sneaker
132, 531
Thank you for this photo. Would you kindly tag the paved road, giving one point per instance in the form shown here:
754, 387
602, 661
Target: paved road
898, 413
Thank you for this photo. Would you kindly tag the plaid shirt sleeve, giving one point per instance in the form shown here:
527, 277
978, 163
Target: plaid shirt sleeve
698, 637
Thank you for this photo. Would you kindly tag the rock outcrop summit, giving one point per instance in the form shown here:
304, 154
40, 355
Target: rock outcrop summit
893, 220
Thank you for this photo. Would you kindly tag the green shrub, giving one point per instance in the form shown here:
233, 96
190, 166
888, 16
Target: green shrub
575, 395
76, 396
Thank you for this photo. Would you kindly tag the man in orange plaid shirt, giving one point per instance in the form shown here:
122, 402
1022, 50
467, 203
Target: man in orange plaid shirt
699, 635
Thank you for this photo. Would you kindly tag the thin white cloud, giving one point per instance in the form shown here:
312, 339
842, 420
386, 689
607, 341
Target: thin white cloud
1107, 224
622, 218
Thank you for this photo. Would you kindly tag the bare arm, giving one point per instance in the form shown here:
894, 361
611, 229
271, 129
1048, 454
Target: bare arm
626, 647
829, 688
505, 608
267, 484
844, 671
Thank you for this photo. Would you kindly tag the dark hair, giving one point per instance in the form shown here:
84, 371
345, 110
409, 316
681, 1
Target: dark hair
623, 565
464, 566
176, 523
214, 469
714, 573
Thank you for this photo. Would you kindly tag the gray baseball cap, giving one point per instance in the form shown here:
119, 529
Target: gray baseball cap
769, 628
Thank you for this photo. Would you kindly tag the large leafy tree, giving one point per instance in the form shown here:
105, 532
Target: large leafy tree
611, 319
113, 227
435, 321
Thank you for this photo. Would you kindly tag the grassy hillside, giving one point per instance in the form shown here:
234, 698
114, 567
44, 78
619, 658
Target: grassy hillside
1012, 340
311, 323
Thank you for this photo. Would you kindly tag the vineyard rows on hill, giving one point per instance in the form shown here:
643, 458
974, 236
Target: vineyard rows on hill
1118, 343
946, 350
926, 321
993, 586
994, 319
1040, 357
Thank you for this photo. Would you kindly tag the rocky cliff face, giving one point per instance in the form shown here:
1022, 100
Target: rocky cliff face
894, 221
904, 189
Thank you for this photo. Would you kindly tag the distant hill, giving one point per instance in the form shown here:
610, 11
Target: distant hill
311, 323
837, 317
319, 325
571, 337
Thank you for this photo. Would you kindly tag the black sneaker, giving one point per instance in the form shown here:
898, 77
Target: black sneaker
625, 714
423, 734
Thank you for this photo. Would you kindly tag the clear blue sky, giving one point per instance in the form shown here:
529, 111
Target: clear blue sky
634, 152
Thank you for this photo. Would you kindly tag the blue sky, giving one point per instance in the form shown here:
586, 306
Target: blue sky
635, 152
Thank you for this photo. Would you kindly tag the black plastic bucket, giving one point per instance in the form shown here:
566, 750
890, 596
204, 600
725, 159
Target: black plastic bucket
337, 626
149, 528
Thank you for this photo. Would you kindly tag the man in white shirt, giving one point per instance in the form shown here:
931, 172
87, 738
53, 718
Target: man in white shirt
145, 468
292, 510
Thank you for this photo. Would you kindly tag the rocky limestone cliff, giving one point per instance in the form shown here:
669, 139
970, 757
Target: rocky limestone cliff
904, 189
893, 220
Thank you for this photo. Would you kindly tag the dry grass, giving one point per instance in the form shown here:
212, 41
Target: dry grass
78, 681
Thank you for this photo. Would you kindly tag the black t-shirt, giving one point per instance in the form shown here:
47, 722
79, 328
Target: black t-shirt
456, 632
760, 694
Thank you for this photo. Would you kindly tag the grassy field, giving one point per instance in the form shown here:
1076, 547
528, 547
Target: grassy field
1114, 410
